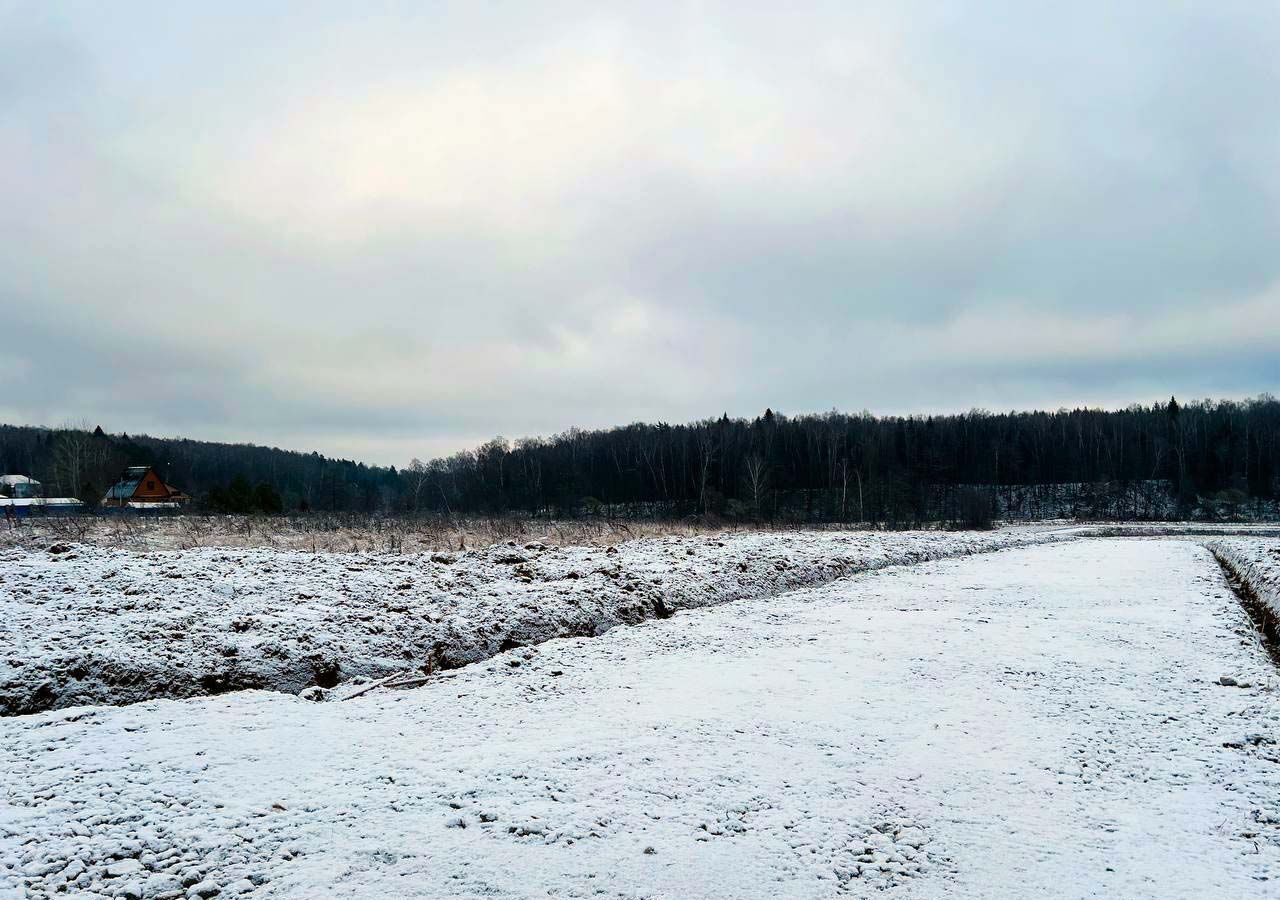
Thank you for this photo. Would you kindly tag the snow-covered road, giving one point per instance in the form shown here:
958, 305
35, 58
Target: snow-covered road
1042, 722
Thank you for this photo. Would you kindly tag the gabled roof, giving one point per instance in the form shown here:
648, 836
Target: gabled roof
130, 478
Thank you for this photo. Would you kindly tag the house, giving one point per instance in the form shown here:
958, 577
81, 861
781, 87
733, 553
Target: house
140, 487
20, 497
19, 487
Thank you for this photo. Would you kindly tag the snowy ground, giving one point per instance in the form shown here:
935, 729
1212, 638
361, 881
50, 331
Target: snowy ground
81, 624
1043, 722
1257, 564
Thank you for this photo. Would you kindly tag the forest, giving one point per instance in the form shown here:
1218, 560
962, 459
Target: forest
1201, 459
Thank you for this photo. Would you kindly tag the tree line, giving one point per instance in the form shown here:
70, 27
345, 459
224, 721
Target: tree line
83, 462
1164, 460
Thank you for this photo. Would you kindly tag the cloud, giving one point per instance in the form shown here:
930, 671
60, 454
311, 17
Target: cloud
366, 231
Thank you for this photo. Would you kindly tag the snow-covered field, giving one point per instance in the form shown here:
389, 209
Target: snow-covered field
1043, 722
81, 624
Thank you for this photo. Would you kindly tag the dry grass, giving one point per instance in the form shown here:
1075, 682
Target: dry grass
348, 533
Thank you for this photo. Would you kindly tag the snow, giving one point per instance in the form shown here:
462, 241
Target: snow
83, 625
1257, 564
1047, 721
21, 502
1177, 529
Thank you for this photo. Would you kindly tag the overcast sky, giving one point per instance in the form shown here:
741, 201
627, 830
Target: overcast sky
396, 230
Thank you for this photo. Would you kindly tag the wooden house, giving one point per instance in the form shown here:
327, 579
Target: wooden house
142, 487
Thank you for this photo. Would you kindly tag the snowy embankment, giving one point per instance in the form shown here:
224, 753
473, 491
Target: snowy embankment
1050, 722
1256, 563
85, 625
1178, 529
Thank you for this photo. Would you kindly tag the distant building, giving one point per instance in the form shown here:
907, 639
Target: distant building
140, 487
19, 487
20, 496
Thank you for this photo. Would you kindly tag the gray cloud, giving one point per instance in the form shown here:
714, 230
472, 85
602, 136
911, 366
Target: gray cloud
396, 232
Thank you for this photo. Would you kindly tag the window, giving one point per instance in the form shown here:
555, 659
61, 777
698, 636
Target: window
151, 484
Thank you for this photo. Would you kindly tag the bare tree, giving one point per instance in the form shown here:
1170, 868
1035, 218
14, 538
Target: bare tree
78, 458
706, 456
418, 473
757, 480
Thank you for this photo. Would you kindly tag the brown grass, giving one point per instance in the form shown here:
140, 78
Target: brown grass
350, 533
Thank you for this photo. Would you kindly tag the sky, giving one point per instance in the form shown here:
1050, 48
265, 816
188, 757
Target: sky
384, 230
